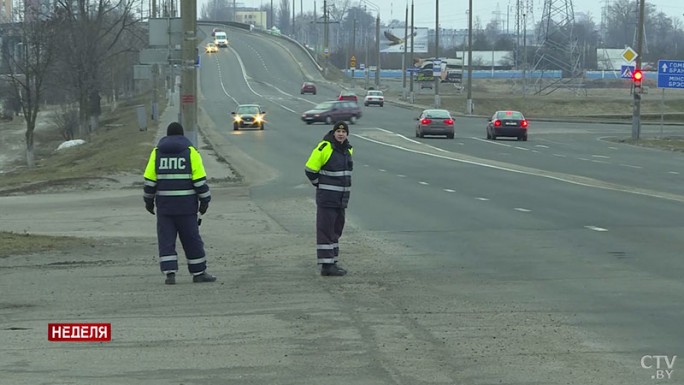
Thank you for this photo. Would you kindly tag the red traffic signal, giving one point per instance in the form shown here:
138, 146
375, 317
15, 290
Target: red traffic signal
637, 76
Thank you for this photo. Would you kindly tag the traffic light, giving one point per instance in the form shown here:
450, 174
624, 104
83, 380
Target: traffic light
637, 76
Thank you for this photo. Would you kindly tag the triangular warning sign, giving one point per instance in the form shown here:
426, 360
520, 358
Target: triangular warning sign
627, 73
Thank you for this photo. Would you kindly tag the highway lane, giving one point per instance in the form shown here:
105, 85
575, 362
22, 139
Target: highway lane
541, 237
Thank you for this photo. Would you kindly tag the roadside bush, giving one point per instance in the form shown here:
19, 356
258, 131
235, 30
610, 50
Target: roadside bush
66, 121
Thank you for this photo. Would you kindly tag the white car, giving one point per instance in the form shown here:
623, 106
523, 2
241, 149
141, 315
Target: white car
374, 97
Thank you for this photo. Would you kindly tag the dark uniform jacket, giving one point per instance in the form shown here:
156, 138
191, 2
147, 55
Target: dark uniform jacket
175, 177
329, 168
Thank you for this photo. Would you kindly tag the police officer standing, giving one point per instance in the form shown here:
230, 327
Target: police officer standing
176, 181
329, 169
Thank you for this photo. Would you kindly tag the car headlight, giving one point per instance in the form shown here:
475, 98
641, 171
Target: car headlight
237, 118
258, 118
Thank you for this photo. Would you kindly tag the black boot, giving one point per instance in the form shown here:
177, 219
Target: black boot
332, 270
204, 277
170, 279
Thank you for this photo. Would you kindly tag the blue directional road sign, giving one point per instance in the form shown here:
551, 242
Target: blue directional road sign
626, 71
670, 74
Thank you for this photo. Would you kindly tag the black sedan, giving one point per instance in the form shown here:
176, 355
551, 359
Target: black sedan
507, 123
248, 115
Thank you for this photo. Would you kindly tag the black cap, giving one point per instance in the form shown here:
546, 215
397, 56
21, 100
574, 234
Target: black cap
174, 128
341, 126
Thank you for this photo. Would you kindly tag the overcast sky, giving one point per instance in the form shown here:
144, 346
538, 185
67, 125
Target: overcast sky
452, 13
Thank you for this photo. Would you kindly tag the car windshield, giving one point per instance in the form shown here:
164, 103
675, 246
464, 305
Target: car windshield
324, 106
437, 114
248, 110
510, 115
374, 93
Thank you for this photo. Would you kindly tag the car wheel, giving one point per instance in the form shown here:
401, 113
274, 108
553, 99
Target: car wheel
235, 126
450, 136
328, 120
488, 135
314, 92
420, 133
352, 119
417, 136
382, 104
524, 138
493, 137
261, 126
308, 123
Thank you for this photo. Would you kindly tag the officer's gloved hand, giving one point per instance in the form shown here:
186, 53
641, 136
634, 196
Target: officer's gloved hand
149, 206
203, 207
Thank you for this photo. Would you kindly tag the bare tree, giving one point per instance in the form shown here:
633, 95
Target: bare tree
284, 15
92, 38
30, 66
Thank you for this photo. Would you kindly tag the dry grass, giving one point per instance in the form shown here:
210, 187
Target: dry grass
117, 147
14, 244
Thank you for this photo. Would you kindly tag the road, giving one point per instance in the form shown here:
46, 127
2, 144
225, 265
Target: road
569, 224
552, 261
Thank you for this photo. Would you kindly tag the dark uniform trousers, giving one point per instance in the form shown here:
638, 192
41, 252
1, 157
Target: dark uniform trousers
188, 232
329, 225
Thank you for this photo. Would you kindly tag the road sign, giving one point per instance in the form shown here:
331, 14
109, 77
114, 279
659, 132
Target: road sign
626, 71
362, 66
352, 62
629, 54
670, 74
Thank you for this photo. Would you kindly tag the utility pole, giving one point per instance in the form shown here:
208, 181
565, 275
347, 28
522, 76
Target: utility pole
155, 75
636, 110
188, 92
403, 59
377, 50
437, 78
271, 12
234, 12
353, 54
411, 95
294, 30
469, 98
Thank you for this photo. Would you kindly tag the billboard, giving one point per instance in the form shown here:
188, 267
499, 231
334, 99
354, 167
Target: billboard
392, 40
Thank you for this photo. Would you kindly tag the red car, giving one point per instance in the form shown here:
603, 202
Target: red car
348, 95
308, 88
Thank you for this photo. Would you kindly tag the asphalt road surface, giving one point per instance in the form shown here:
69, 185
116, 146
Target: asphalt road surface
551, 261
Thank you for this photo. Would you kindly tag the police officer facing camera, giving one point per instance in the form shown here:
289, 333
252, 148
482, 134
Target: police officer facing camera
176, 181
329, 169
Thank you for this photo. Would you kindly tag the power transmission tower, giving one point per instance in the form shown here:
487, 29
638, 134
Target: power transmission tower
558, 49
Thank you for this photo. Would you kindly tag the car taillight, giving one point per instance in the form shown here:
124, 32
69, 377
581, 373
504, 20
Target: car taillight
449, 122
340, 98
425, 121
497, 123
523, 123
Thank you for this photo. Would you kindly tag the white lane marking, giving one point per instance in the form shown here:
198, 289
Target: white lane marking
560, 155
382, 170
600, 156
449, 190
424, 183
541, 145
539, 173
244, 76
595, 228
600, 161
673, 172
482, 199
522, 210
401, 175
383, 130
632, 166
522, 148
583, 159
613, 148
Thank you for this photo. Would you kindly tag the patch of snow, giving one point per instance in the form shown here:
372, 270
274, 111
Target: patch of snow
70, 143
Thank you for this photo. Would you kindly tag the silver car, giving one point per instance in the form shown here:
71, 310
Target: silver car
435, 122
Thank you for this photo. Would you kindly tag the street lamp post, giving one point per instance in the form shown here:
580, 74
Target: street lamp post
437, 78
377, 41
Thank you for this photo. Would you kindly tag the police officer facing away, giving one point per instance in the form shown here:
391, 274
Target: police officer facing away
329, 169
175, 178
